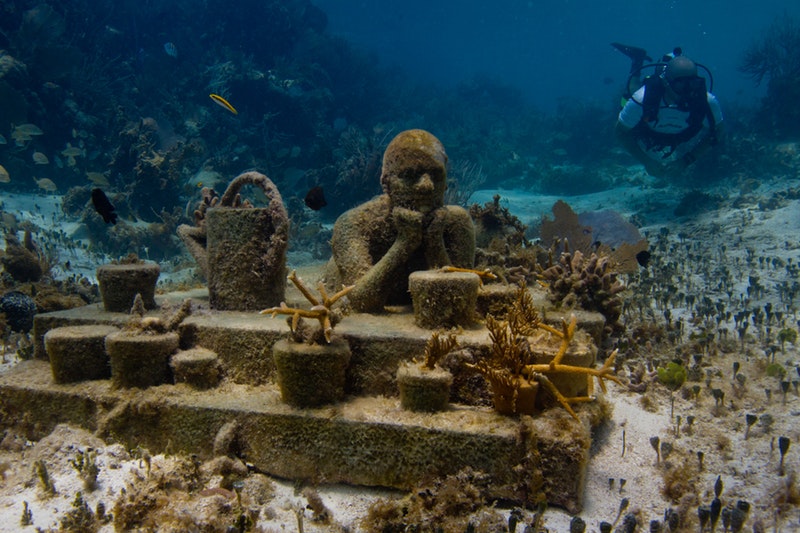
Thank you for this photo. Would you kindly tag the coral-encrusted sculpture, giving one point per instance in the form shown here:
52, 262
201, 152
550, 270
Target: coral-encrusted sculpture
241, 248
408, 228
514, 376
311, 365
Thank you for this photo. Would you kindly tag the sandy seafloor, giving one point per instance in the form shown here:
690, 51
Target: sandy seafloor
748, 467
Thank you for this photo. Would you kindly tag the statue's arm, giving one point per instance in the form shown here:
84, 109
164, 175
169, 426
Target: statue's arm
372, 280
450, 238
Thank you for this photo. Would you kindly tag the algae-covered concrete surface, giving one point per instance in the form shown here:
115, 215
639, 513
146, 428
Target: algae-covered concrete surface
367, 440
363, 441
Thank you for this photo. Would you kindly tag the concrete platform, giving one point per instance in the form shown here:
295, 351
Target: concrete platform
366, 440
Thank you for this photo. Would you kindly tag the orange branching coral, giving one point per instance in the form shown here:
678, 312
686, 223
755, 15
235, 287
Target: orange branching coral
511, 354
320, 307
436, 348
482, 274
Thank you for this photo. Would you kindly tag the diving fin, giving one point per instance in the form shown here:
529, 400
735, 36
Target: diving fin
637, 55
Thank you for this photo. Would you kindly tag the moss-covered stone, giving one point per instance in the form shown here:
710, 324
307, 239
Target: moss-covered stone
362, 441
423, 389
119, 285
78, 353
197, 367
310, 375
140, 360
444, 299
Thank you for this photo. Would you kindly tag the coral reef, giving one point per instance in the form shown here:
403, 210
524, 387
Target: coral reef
775, 57
23, 262
613, 236
18, 309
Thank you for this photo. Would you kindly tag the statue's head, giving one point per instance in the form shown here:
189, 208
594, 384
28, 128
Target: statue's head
414, 171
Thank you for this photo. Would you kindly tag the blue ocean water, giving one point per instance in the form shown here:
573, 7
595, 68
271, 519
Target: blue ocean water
555, 49
155, 101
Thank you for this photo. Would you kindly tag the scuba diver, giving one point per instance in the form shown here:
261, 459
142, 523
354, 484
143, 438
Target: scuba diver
670, 117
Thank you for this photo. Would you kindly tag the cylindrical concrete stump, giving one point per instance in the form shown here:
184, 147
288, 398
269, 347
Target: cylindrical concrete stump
140, 360
443, 299
310, 375
421, 389
119, 285
78, 353
198, 367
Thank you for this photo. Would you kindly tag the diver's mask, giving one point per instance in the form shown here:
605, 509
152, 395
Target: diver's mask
687, 88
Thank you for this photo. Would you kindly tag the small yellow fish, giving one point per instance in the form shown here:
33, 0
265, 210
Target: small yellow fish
224, 103
46, 184
71, 152
98, 178
4, 177
28, 129
40, 159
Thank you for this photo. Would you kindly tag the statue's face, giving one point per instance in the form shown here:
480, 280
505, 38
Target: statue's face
415, 171
419, 186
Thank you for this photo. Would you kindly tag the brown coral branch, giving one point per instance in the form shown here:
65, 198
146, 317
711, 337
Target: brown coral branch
482, 274
436, 348
319, 311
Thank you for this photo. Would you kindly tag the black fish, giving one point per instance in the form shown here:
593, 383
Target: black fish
315, 198
643, 258
103, 206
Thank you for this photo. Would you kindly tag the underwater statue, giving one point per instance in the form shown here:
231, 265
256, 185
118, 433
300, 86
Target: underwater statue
239, 248
408, 228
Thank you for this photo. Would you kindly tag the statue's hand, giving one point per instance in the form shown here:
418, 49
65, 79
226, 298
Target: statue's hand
435, 223
408, 224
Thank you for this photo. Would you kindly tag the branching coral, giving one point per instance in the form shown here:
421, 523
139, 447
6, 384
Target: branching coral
138, 323
436, 348
509, 365
588, 282
776, 56
321, 310
482, 274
